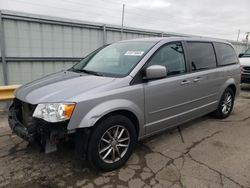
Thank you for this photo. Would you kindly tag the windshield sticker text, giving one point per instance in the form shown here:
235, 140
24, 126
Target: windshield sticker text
134, 53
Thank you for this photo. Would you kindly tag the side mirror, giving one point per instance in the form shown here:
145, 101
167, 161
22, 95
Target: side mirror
241, 54
155, 71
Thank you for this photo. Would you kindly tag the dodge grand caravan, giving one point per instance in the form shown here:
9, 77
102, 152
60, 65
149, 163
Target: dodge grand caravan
245, 63
124, 92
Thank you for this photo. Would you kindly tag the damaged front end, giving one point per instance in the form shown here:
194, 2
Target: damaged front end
31, 129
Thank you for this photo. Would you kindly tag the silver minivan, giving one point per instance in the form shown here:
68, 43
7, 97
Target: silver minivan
124, 92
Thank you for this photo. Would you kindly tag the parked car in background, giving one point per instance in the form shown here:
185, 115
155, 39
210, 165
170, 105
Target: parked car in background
245, 63
127, 91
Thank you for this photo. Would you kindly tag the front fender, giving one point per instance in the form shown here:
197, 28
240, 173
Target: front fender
102, 109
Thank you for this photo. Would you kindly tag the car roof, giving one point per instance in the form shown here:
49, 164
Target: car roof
172, 39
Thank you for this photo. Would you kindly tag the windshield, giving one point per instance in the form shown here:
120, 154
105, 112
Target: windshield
116, 60
247, 52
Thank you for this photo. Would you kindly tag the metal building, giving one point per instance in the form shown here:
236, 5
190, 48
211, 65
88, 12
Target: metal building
34, 45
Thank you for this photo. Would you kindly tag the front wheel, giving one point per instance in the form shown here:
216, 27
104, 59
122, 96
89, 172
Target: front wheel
111, 143
226, 104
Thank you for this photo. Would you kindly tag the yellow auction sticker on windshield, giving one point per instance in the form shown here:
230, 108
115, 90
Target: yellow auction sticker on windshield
134, 53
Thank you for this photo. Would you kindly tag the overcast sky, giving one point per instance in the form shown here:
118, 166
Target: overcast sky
214, 18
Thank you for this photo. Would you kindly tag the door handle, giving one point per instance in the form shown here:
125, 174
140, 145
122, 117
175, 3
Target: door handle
185, 82
197, 79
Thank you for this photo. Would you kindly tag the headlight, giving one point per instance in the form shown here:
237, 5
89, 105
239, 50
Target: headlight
54, 112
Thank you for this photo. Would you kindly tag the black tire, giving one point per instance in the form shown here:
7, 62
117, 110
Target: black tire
99, 132
219, 113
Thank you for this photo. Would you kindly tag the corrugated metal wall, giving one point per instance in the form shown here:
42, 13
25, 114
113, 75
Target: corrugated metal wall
38, 45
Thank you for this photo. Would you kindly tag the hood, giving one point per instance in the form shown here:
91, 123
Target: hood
245, 61
60, 87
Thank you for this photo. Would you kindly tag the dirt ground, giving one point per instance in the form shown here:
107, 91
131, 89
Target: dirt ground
215, 153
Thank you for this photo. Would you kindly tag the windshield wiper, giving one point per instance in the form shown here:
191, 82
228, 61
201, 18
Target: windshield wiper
246, 55
91, 72
87, 71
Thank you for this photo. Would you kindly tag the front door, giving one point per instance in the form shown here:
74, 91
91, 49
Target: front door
169, 100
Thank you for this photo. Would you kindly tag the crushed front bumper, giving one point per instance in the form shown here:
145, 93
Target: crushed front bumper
48, 135
32, 129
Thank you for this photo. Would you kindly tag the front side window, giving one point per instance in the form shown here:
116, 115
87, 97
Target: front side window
202, 55
172, 57
226, 54
116, 60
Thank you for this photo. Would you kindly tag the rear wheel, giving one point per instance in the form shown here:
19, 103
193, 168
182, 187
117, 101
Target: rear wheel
226, 104
111, 143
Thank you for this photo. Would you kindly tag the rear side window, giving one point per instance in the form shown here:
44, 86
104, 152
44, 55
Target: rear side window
202, 55
226, 54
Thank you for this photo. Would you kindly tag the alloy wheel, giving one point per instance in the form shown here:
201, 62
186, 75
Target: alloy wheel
227, 103
114, 144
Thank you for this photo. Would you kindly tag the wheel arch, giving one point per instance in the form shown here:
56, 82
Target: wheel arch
218, 113
116, 106
130, 115
233, 87
230, 83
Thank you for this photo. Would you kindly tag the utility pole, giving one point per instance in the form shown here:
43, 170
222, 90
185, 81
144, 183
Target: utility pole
247, 34
123, 9
238, 35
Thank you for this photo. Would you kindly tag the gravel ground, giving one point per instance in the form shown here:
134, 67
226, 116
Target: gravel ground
215, 153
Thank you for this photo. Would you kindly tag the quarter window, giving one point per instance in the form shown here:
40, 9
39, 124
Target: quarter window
172, 57
202, 55
225, 54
